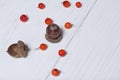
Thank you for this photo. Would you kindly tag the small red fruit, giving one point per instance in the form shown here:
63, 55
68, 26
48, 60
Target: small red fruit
41, 5
55, 72
24, 18
68, 25
66, 3
43, 46
62, 53
48, 21
78, 4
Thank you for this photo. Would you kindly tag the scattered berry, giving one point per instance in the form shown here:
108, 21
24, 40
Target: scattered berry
41, 5
55, 72
62, 52
24, 18
48, 21
43, 46
68, 25
78, 4
66, 3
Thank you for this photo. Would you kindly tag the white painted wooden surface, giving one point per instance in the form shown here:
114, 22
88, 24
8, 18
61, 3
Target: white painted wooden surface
93, 44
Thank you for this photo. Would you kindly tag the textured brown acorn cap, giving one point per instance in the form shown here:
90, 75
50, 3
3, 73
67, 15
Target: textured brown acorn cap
18, 50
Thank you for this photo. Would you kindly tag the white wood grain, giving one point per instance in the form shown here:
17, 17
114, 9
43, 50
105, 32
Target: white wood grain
93, 44
94, 53
38, 64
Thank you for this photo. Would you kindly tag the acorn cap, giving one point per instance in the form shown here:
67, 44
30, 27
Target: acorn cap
18, 50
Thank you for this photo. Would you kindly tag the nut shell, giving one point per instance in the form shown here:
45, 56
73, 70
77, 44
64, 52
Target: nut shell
12, 51
53, 33
18, 50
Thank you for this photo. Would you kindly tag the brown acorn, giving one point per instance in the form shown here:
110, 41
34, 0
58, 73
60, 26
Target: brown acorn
18, 50
53, 33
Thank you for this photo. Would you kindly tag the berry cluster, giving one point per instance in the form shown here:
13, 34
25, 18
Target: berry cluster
67, 4
48, 21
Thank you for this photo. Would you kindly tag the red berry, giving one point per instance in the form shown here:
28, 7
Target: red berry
78, 4
43, 46
24, 18
62, 52
48, 21
41, 5
68, 25
55, 72
66, 4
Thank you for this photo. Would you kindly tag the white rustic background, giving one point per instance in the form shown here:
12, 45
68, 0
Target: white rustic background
92, 45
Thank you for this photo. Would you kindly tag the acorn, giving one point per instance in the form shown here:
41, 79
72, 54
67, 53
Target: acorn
53, 33
18, 50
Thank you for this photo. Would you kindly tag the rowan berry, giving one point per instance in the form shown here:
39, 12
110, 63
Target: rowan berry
41, 5
62, 53
48, 21
66, 3
68, 25
43, 46
78, 4
24, 18
55, 72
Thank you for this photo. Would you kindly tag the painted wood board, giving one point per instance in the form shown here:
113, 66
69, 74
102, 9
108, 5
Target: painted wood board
92, 44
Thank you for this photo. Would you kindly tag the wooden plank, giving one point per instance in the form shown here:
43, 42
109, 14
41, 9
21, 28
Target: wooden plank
94, 53
38, 64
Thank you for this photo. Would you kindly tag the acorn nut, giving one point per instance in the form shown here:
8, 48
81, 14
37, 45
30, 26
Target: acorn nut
53, 33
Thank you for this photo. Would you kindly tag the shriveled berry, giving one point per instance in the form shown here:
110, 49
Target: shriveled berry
41, 5
48, 21
62, 53
68, 25
78, 4
55, 72
24, 18
66, 4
